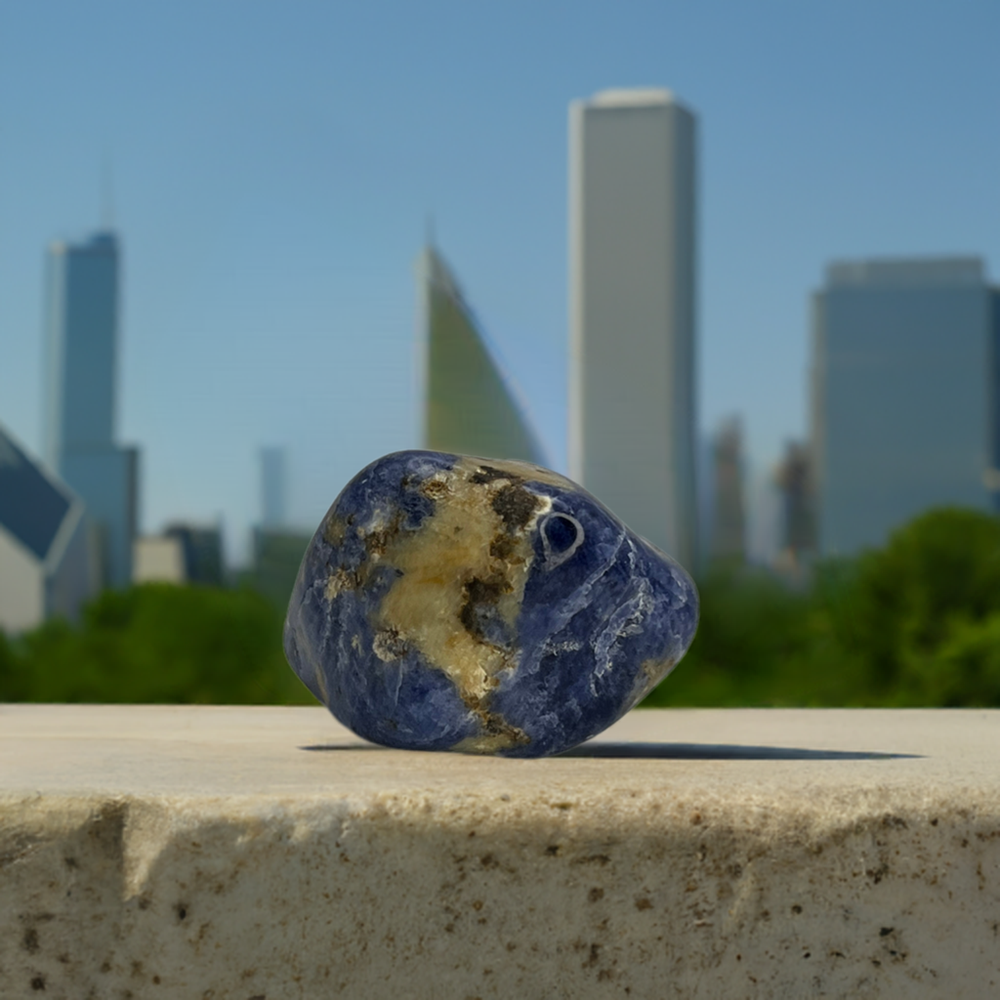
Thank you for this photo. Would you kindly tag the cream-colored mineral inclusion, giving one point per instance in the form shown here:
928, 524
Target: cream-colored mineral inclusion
337, 582
451, 548
486, 744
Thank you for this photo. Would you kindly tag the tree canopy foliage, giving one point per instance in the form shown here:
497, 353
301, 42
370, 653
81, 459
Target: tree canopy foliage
156, 643
914, 623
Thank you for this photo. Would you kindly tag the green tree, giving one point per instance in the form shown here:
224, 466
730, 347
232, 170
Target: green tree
759, 642
914, 623
12, 681
157, 643
923, 601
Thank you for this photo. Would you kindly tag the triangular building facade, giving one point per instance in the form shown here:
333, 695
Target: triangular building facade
470, 406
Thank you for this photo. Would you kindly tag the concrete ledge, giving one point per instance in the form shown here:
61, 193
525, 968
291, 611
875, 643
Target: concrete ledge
268, 853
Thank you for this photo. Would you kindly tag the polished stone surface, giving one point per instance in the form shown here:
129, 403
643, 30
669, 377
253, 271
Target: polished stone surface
485, 606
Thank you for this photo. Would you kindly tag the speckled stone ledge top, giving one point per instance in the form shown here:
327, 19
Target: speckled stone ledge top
725, 754
269, 853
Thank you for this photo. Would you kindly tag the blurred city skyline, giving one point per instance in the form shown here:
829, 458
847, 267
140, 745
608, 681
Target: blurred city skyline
274, 170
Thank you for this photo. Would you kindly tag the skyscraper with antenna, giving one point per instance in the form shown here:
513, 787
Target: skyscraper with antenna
81, 371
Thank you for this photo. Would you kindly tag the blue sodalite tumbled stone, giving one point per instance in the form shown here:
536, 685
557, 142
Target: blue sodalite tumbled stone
485, 606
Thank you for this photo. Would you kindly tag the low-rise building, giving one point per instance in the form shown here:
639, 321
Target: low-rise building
46, 558
184, 553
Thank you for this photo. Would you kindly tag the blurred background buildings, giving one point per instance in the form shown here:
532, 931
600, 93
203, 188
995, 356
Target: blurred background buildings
277, 546
902, 392
797, 510
273, 487
728, 525
184, 553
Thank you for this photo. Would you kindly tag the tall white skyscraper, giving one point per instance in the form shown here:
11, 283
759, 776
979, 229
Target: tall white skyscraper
81, 360
632, 311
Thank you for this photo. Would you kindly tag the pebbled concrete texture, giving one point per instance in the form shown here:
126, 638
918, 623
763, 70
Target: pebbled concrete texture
255, 853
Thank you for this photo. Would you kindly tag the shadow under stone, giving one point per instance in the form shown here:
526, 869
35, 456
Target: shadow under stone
345, 746
721, 751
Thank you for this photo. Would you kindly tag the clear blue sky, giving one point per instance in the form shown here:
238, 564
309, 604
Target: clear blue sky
275, 164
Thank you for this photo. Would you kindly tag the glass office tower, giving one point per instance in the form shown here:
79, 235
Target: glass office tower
904, 395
